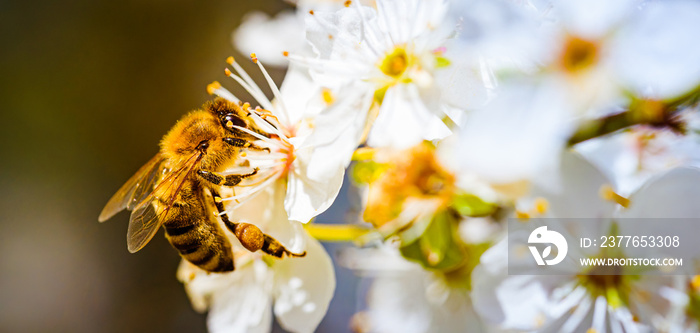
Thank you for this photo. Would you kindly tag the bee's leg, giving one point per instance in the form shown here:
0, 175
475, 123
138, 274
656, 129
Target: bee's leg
251, 237
241, 143
221, 180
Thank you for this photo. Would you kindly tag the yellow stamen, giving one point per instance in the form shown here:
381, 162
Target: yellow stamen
227, 72
363, 154
395, 63
218, 199
311, 12
335, 232
285, 53
347, 3
522, 215
245, 106
254, 58
229, 124
541, 206
244, 154
230, 60
212, 87
591, 330
327, 96
695, 283
578, 54
607, 193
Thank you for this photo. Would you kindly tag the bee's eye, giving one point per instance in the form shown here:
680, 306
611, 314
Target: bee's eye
231, 120
203, 145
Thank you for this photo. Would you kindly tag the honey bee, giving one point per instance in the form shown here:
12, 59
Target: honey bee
179, 189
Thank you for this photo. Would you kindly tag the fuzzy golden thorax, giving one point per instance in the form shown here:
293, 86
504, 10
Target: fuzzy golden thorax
198, 132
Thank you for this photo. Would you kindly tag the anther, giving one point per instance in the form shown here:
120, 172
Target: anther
246, 106
522, 215
541, 205
254, 58
327, 96
227, 71
213, 87
607, 193
230, 60
229, 124
347, 3
285, 53
311, 12
218, 199
695, 283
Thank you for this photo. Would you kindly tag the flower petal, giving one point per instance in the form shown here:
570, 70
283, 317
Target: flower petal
404, 120
269, 37
237, 302
517, 135
304, 288
574, 190
669, 195
308, 197
653, 55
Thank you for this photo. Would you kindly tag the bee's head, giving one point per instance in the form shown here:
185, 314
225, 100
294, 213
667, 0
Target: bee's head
196, 132
230, 115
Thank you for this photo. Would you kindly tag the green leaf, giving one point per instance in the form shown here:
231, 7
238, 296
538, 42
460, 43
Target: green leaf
471, 205
437, 248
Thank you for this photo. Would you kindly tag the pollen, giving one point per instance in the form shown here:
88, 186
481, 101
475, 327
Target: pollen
607, 193
254, 58
395, 63
218, 199
229, 124
327, 96
244, 154
347, 3
311, 12
578, 54
213, 87
285, 53
230, 60
227, 72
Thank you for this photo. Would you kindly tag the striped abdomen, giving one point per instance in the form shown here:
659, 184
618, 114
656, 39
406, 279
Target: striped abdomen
193, 230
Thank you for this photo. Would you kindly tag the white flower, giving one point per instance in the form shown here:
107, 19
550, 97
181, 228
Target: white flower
392, 55
299, 290
515, 137
577, 302
634, 156
270, 37
604, 51
297, 143
403, 297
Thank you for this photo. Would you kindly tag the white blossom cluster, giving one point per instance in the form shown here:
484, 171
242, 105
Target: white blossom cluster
451, 117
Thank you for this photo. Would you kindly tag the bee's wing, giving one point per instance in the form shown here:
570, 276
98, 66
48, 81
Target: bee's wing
135, 190
146, 217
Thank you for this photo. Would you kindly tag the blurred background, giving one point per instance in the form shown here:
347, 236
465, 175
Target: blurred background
88, 89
